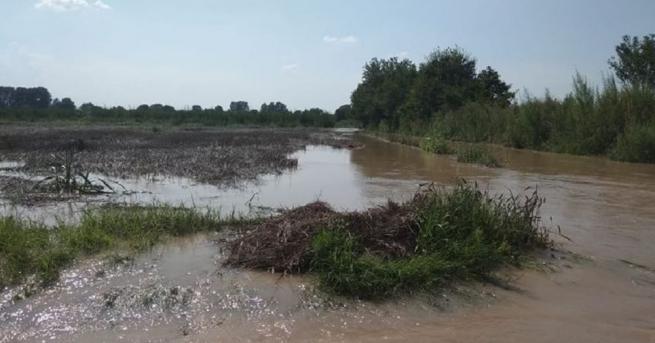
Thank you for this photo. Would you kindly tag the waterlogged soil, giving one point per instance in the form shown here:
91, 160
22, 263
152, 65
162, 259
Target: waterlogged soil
599, 287
218, 157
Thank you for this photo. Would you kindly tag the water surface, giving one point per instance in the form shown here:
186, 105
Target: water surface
607, 294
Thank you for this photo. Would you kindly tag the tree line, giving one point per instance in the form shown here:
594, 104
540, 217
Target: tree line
448, 97
36, 104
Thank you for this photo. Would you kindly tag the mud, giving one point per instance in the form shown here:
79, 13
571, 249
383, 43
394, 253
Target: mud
219, 157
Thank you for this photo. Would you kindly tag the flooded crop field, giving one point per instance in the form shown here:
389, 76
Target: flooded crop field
597, 285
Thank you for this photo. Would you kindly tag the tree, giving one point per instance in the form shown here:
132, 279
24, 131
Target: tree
446, 81
90, 109
343, 113
274, 107
64, 104
218, 109
7, 96
141, 108
239, 106
384, 88
37, 97
196, 108
634, 63
493, 89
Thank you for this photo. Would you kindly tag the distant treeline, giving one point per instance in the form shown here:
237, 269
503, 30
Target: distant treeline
447, 97
36, 104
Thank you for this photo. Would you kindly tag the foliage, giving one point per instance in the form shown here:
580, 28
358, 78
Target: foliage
239, 106
478, 155
634, 63
396, 95
449, 99
167, 115
344, 112
461, 234
384, 88
28, 248
20, 97
435, 144
274, 107
636, 145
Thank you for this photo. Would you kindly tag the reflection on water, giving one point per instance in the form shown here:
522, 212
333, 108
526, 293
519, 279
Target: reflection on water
605, 208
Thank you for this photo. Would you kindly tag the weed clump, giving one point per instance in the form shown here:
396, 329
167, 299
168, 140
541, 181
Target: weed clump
636, 145
435, 145
438, 236
28, 248
477, 155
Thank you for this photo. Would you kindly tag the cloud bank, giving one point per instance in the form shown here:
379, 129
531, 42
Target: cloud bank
70, 5
289, 67
345, 39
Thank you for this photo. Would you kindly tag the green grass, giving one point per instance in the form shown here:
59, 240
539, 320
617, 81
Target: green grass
28, 248
435, 145
462, 234
477, 155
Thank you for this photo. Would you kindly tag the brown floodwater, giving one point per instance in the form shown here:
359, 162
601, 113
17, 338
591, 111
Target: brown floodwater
602, 291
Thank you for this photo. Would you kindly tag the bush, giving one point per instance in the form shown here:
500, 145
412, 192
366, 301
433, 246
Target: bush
478, 155
460, 234
636, 145
435, 145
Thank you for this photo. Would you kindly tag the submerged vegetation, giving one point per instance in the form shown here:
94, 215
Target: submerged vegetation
439, 236
478, 155
447, 97
28, 248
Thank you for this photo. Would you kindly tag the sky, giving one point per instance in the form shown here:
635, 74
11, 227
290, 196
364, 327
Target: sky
303, 53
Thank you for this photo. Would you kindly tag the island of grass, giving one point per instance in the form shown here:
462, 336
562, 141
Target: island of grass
440, 236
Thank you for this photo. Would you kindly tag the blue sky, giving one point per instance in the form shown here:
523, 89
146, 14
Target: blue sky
303, 53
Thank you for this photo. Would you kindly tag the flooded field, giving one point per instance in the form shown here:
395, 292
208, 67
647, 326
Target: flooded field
603, 291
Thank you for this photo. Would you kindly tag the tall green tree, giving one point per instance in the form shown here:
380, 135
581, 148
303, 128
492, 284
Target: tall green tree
239, 106
492, 89
384, 88
344, 112
634, 63
446, 81
274, 107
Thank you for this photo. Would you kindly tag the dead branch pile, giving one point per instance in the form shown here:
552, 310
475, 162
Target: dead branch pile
283, 243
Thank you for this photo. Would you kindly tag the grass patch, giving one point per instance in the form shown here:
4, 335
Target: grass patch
477, 155
438, 237
435, 145
28, 248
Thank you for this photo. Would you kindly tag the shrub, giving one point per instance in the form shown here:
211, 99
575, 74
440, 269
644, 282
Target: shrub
636, 145
460, 234
478, 155
435, 144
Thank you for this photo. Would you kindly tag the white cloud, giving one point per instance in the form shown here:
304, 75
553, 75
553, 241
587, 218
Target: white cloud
70, 5
289, 67
345, 39
101, 5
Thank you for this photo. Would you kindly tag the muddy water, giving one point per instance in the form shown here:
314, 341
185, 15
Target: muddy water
180, 291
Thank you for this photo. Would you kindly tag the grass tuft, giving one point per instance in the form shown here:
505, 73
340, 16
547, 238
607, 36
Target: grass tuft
27, 248
439, 236
477, 155
435, 145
